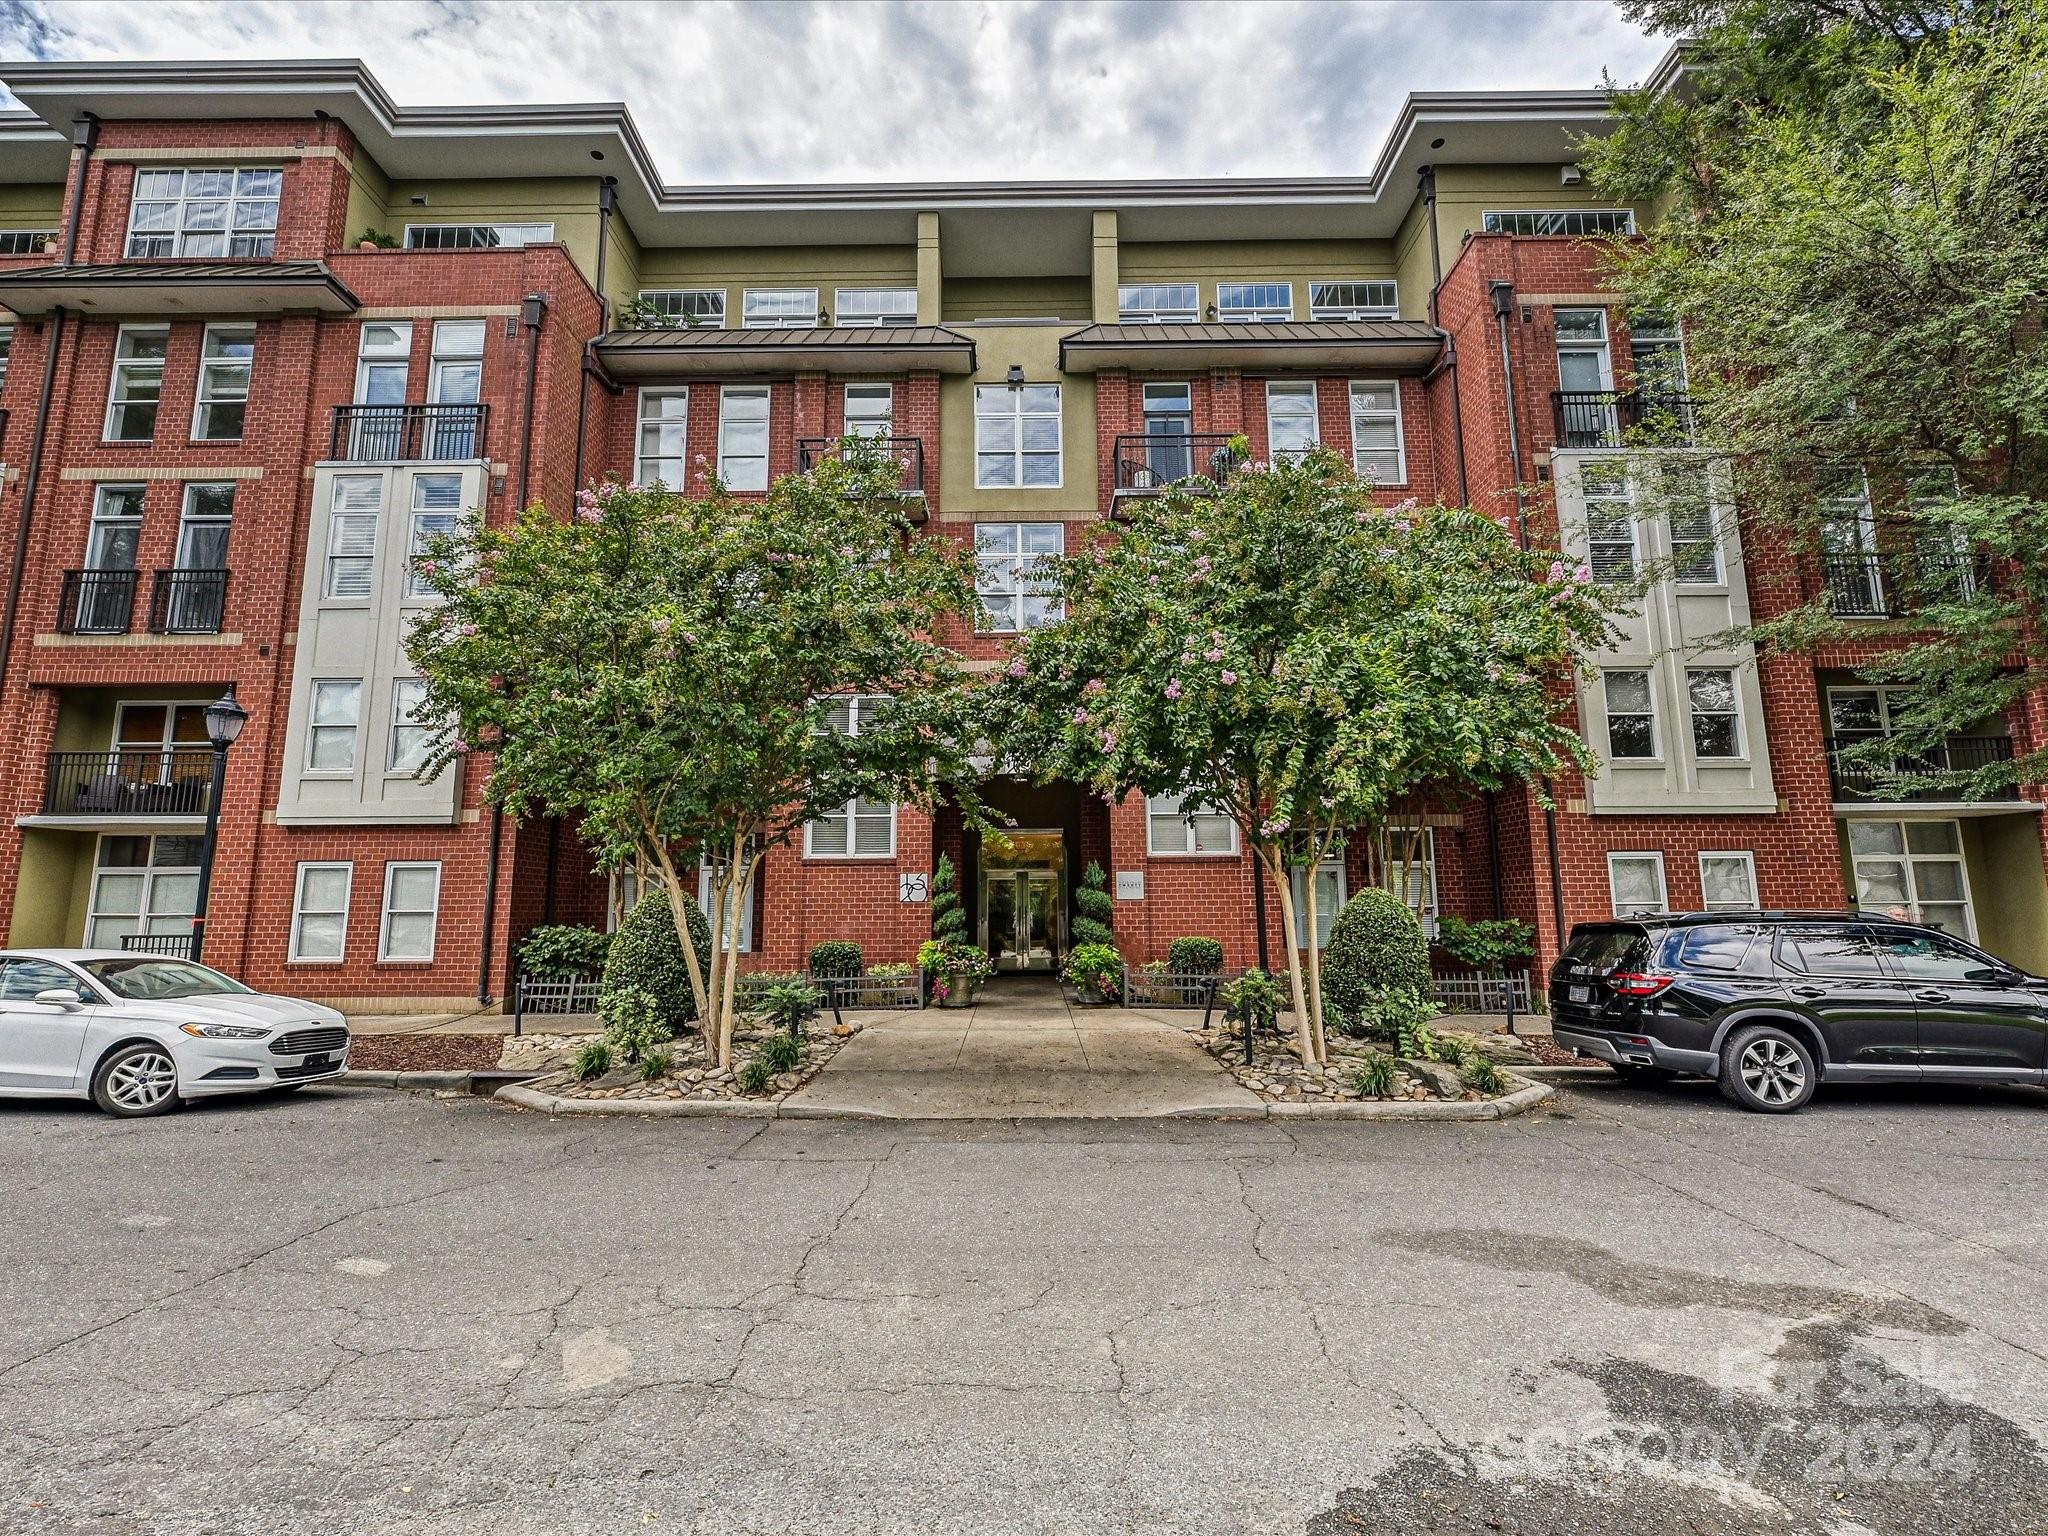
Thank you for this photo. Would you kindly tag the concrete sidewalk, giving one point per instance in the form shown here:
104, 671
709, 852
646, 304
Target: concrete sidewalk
1023, 1051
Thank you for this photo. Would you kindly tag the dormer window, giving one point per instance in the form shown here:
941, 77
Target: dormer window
198, 213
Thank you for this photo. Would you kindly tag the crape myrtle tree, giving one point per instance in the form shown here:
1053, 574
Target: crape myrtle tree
676, 671
1853, 234
1286, 651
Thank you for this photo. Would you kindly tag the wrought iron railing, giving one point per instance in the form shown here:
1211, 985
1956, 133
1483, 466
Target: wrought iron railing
1883, 584
130, 781
1477, 992
174, 946
1145, 987
188, 602
1150, 461
369, 434
96, 603
908, 452
1620, 418
1858, 782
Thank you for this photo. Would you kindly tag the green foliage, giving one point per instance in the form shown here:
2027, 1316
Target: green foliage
646, 956
563, 950
1195, 957
1487, 945
781, 1053
949, 918
1413, 1037
1482, 1074
836, 957
1376, 945
756, 1076
1373, 1078
788, 1003
895, 970
378, 238
1452, 1051
634, 1022
656, 1064
593, 1061
1096, 970
1254, 996
1094, 909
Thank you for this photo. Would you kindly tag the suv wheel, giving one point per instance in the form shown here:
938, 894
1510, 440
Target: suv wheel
1767, 1069
139, 1079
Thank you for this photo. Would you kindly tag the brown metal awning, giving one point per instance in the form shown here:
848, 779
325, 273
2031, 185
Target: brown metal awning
1384, 346
698, 351
208, 288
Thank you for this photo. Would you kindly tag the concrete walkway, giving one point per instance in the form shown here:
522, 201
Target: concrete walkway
1023, 1051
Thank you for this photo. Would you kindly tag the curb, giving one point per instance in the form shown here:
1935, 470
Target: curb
468, 1081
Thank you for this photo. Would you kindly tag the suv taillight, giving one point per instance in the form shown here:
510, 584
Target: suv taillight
1637, 983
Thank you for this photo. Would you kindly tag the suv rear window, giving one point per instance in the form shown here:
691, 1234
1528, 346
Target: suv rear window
1715, 948
1607, 949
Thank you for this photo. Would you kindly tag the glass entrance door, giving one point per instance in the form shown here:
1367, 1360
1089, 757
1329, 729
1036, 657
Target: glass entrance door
1023, 904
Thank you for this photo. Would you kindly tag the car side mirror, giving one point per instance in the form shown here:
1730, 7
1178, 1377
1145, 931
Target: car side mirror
59, 997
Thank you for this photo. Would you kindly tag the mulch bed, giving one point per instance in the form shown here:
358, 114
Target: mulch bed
424, 1053
1550, 1054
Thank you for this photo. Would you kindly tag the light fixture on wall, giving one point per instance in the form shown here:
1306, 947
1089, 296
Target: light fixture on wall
824, 315
1015, 377
1211, 312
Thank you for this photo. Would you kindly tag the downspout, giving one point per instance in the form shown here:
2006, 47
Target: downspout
483, 969
1450, 359
85, 134
532, 311
607, 204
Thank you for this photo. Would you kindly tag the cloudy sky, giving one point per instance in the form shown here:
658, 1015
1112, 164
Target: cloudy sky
797, 91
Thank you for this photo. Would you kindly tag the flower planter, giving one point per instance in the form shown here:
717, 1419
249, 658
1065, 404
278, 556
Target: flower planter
959, 991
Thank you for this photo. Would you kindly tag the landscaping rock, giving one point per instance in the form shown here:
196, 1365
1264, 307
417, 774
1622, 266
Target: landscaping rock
1441, 1080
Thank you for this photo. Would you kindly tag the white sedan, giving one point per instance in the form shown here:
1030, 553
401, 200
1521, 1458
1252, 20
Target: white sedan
138, 1033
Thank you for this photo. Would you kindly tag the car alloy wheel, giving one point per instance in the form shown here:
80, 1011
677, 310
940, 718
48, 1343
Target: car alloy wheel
142, 1080
1772, 1071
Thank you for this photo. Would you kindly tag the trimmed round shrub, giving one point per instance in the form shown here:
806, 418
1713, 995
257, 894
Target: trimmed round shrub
563, 951
837, 957
1376, 946
646, 957
949, 918
1195, 957
633, 1024
1094, 909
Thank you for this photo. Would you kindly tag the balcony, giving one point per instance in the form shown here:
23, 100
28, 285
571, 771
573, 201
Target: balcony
130, 781
1621, 418
96, 602
375, 434
174, 946
1853, 783
1148, 462
188, 602
1884, 584
908, 452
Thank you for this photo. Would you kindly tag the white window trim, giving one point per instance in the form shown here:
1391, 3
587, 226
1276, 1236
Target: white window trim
1172, 315
876, 317
846, 810
1400, 429
1489, 214
1649, 676
746, 943
1391, 311
399, 355
983, 621
703, 325
545, 236
1656, 857
391, 870
1749, 861
766, 394
1020, 416
313, 727
1290, 389
777, 323
1298, 879
641, 421
228, 232
1587, 503
348, 870
1741, 752
1428, 913
1187, 850
115, 374
887, 420
1910, 861
1248, 314
397, 722
201, 399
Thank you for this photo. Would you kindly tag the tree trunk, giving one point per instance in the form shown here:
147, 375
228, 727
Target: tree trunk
1315, 959
739, 879
672, 882
1290, 936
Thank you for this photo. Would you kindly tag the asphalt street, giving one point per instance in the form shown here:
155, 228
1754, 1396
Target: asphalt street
1639, 1311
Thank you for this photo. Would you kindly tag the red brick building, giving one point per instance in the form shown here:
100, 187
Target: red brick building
264, 329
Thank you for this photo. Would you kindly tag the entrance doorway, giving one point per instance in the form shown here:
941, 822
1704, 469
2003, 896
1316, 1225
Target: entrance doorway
1023, 899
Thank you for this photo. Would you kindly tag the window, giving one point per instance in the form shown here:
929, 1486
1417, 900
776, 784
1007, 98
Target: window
320, 912
688, 307
383, 359
1913, 870
1291, 425
1830, 951
1728, 881
1169, 427
225, 355
25, 979
1716, 712
6, 346
1560, 221
1584, 365
1658, 355
1353, 301
746, 906
1695, 540
25, 242
197, 591
331, 729
1376, 445
1176, 303
455, 374
1848, 541
436, 514
1408, 869
860, 829
1930, 957
1017, 436
870, 410
877, 306
1610, 520
743, 437
475, 237
141, 885
1329, 898
138, 384
412, 905
116, 532
204, 213
1631, 715
1716, 948
1635, 883
1179, 825
780, 307
1009, 575
1238, 302
412, 738
352, 535
664, 438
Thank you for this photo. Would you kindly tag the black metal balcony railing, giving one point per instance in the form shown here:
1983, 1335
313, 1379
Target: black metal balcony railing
1854, 781
96, 602
130, 781
188, 602
1620, 418
1150, 461
1884, 584
908, 452
378, 433
174, 946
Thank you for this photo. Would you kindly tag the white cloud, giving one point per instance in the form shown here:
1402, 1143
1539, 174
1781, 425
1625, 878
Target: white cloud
804, 90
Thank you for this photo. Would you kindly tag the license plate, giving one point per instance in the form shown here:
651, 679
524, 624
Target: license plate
1580, 994
316, 1061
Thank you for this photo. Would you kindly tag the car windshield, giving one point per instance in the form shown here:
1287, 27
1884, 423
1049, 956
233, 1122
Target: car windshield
1607, 949
147, 978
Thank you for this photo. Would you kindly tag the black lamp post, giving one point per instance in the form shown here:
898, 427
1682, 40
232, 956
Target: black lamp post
224, 721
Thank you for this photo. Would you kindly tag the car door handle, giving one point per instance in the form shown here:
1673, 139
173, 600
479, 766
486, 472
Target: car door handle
1930, 997
1809, 991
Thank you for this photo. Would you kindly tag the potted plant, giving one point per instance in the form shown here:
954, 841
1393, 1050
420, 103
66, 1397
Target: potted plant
1096, 973
957, 969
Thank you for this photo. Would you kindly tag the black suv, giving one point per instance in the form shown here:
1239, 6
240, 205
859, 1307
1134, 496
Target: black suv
1771, 1003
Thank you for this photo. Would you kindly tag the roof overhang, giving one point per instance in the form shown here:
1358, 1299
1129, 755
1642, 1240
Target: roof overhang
682, 354
177, 288
1391, 346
